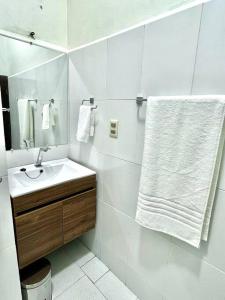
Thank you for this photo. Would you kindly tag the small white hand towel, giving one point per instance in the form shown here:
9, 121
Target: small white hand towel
85, 124
182, 153
52, 115
26, 123
46, 116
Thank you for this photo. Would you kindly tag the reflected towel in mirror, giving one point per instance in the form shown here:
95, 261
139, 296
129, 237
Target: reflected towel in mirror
26, 123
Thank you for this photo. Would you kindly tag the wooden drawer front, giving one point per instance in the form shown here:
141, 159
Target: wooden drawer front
79, 214
53, 193
38, 233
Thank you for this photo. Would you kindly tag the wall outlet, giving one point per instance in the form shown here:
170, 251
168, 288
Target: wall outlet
113, 128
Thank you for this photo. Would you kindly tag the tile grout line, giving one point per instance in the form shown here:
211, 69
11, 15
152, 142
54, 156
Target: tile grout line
69, 287
197, 49
102, 275
97, 286
80, 266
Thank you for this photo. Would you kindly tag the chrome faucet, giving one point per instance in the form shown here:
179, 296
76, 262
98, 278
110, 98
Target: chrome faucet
40, 156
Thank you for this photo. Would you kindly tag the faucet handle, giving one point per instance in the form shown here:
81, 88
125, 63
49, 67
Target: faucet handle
45, 149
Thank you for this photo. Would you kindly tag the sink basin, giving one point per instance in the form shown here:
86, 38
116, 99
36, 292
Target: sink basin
49, 174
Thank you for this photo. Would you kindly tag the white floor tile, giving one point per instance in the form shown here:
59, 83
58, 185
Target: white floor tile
78, 253
113, 289
95, 269
64, 272
84, 289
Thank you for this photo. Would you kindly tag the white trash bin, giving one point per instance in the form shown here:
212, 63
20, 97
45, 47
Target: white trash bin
36, 281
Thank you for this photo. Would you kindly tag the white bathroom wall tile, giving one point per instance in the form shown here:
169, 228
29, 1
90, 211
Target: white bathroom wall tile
112, 288
9, 275
17, 158
128, 145
87, 155
140, 285
124, 64
7, 238
121, 184
144, 250
77, 86
191, 278
125, 146
90, 64
114, 233
169, 53
116, 264
92, 239
87, 69
214, 248
210, 63
94, 269
147, 252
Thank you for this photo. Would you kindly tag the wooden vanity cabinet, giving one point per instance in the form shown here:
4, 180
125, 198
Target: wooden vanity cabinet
39, 232
78, 214
48, 221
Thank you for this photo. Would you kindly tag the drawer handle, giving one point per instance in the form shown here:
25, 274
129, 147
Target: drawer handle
1, 179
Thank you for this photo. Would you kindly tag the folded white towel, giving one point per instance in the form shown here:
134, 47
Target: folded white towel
85, 124
46, 116
52, 115
49, 116
26, 123
180, 165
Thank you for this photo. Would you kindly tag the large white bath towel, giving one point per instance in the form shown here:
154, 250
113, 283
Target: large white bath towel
182, 153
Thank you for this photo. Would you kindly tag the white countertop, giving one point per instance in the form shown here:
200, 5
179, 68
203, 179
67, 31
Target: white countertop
53, 173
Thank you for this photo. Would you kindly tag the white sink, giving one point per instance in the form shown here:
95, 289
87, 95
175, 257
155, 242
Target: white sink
51, 173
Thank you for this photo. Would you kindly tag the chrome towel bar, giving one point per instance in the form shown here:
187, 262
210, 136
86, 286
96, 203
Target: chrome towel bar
6, 109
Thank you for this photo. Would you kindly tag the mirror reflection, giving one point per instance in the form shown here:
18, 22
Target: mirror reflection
33, 82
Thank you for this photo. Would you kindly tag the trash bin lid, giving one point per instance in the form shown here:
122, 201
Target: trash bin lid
35, 274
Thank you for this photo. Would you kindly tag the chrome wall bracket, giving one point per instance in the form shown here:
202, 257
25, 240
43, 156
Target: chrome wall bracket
140, 100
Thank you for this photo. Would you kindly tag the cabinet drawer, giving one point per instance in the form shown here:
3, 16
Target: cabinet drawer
57, 192
38, 233
79, 214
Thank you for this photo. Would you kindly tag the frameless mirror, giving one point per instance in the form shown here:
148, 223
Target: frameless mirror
33, 91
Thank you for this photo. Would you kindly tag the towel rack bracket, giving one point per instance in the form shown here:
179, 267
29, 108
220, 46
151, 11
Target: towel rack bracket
91, 101
140, 100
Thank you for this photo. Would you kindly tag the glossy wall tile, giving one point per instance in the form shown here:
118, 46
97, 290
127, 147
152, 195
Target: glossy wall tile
176, 55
